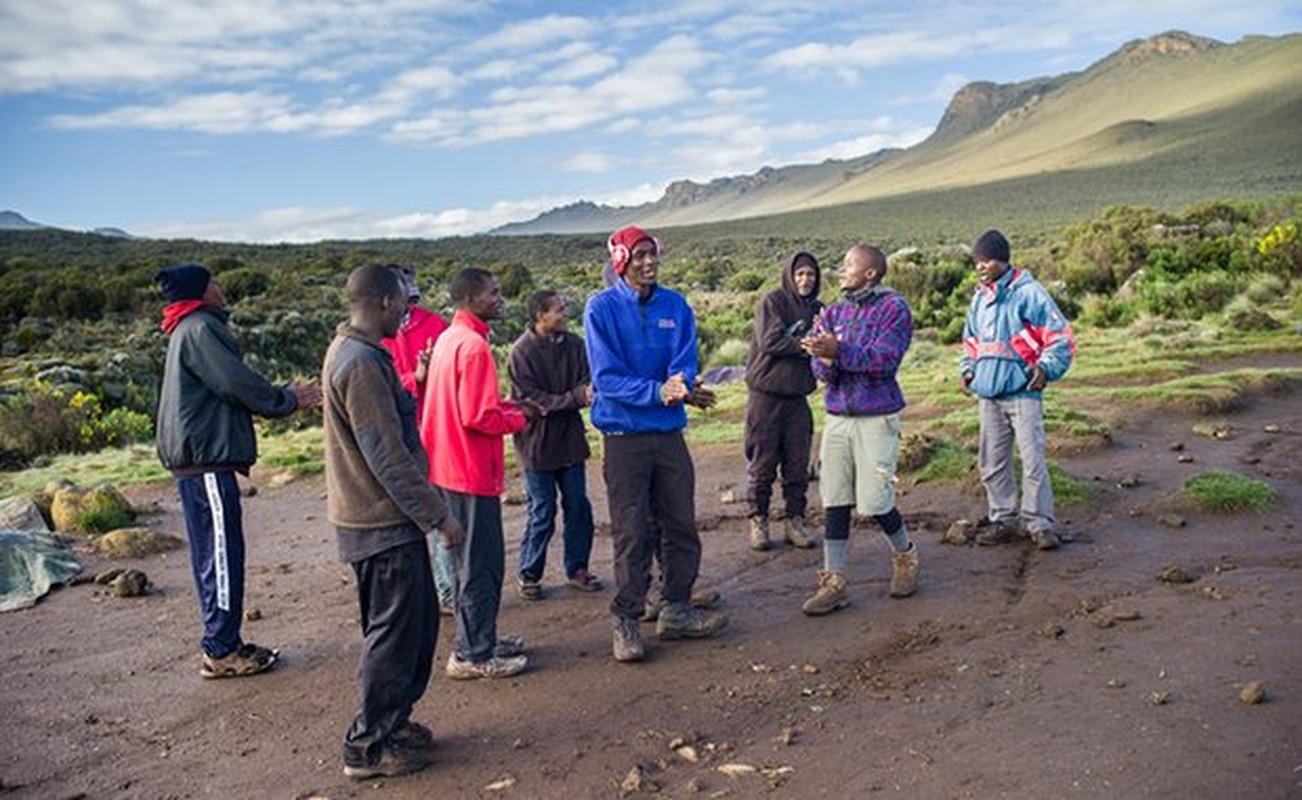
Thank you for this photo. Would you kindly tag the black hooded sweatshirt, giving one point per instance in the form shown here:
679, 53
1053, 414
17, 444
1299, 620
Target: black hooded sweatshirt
775, 363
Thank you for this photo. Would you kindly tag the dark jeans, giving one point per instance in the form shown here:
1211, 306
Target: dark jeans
576, 533
649, 477
213, 524
779, 432
400, 624
481, 563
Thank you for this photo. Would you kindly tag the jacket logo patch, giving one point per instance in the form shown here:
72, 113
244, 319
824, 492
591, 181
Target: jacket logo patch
666, 323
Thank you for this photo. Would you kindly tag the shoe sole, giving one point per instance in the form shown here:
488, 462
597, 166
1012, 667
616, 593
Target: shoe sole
825, 612
366, 773
678, 633
214, 675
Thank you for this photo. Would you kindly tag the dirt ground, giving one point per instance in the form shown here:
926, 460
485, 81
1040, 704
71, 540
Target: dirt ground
1012, 673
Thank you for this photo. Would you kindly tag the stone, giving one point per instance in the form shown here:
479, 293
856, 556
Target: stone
1171, 520
252, 614
1253, 693
1129, 481
1184, 458
21, 514
131, 583
960, 532
136, 543
79, 510
1174, 575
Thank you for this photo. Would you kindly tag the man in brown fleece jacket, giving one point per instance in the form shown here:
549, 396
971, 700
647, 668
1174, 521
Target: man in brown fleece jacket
382, 507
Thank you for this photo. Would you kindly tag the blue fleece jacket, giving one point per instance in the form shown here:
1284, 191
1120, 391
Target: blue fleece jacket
634, 346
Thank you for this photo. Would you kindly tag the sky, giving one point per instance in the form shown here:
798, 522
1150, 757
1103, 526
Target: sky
302, 120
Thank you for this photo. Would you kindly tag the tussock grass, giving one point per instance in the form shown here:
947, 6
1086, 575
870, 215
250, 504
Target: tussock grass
1217, 490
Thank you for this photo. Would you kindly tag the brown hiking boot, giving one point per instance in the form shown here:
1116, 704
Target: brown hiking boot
904, 572
831, 595
795, 533
759, 533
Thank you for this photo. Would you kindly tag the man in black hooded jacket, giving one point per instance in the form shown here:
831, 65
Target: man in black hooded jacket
779, 424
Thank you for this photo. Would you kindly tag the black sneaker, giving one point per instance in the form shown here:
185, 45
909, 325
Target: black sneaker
990, 532
393, 761
530, 589
413, 735
627, 641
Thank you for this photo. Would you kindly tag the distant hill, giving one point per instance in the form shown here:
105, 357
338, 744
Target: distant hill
1166, 120
13, 221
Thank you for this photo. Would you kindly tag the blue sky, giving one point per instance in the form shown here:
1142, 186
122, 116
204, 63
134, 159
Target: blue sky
297, 120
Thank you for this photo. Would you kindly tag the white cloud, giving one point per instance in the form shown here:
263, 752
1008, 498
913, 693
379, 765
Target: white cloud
219, 112
883, 132
588, 162
654, 80
730, 96
534, 33
235, 113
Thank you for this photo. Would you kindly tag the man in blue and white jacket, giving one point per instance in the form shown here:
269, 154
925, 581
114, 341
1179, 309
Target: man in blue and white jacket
1015, 341
641, 341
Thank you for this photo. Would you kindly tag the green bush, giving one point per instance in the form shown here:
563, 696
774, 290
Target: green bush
730, 353
244, 282
1217, 490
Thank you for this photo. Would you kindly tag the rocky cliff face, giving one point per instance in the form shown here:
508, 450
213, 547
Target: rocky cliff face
980, 105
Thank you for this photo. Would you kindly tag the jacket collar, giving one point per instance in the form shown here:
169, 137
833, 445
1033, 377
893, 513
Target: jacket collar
629, 293
474, 323
173, 313
345, 329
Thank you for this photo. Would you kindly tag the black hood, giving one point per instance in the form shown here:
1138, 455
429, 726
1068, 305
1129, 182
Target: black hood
789, 276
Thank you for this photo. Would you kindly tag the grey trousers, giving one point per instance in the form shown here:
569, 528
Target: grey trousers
1001, 422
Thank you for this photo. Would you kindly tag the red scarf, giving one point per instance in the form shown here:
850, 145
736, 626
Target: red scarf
173, 313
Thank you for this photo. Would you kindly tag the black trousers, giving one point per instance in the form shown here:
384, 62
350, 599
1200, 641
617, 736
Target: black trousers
400, 624
650, 476
779, 433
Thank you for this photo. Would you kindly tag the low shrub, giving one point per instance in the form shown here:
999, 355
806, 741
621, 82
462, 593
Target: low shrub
1219, 490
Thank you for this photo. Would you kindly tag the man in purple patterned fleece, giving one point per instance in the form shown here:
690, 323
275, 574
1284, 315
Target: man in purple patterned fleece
857, 345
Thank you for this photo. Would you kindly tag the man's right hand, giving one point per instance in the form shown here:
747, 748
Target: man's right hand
967, 382
306, 395
674, 390
451, 531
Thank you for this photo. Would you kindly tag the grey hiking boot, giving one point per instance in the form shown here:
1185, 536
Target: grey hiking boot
1045, 539
627, 641
685, 621
904, 572
759, 533
830, 595
795, 533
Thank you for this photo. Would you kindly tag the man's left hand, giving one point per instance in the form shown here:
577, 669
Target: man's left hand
702, 397
1038, 379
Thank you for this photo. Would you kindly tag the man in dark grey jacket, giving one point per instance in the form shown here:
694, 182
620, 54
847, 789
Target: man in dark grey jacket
382, 505
779, 424
205, 436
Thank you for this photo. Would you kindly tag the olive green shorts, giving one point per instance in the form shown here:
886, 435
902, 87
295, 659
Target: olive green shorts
859, 456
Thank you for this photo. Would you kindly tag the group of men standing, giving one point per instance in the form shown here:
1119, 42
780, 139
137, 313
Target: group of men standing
414, 444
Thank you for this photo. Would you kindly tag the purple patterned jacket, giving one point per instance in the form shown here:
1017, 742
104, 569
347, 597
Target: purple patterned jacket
873, 329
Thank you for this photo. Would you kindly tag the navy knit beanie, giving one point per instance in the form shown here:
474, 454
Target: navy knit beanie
183, 282
991, 246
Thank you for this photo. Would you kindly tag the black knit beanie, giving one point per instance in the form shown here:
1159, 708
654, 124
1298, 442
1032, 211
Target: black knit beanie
991, 246
183, 282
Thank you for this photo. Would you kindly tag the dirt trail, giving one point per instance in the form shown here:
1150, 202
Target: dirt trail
1013, 673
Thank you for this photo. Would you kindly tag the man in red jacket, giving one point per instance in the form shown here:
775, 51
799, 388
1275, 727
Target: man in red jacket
465, 417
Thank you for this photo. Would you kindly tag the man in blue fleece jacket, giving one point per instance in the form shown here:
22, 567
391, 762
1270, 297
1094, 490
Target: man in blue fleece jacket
641, 341
1015, 341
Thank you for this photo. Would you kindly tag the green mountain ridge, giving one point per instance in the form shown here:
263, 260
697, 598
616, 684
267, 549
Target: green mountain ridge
1190, 117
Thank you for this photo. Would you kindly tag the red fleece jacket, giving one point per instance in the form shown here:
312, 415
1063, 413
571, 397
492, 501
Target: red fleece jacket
464, 418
